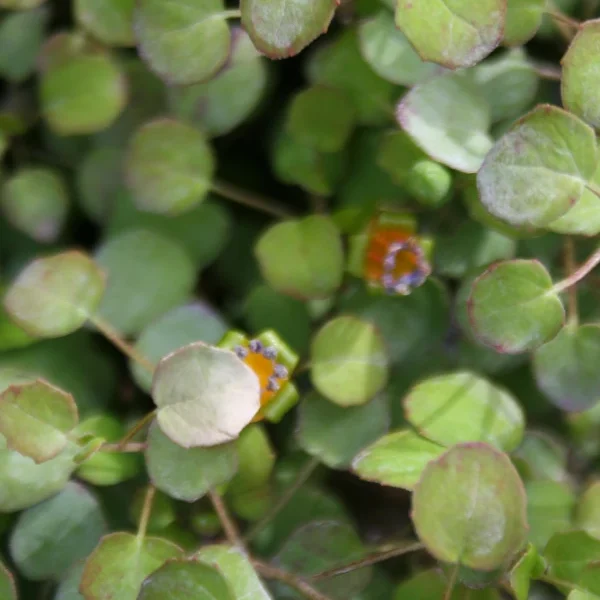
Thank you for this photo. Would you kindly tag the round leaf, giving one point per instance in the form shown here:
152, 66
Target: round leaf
349, 363
397, 459
53, 535
36, 202
110, 21
302, 258
187, 474
54, 296
205, 396
587, 516
36, 418
169, 167
282, 28
449, 119
537, 171
389, 53
183, 42
457, 34
184, 579
579, 83
463, 407
569, 553
336, 434
153, 267
512, 307
469, 507
120, 563
566, 368
523, 19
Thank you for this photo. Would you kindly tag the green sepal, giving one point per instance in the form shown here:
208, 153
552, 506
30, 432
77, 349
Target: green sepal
395, 220
285, 355
232, 339
357, 249
282, 403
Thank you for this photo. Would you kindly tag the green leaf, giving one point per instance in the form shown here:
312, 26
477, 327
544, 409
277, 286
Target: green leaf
447, 118
205, 396
157, 269
35, 201
322, 545
36, 419
68, 587
110, 21
537, 171
469, 507
120, 563
566, 367
187, 473
513, 308
302, 258
218, 106
283, 28
349, 362
237, 570
182, 579
579, 82
587, 515
162, 514
183, 43
321, 118
569, 553
82, 93
8, 590
389, 53
549, 509
169, 167
397, 459
528, 567
335, 434
523, 19
463, 407
55, 534
21, 37
56, 295
457, 34
180, 326
20, 4
431, 585
544, 456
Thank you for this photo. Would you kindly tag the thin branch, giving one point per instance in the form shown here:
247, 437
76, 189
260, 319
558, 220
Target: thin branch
146, 510
557, 15
256, 201
578, 274
110, 333
368, 560
299, 584
135, 430
451, 582
571, 267
548, 72
231, 531
131, 447
301, 478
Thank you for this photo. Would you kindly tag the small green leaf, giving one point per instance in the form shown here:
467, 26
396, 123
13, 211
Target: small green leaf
205, 396
528, 567
457, 34
545, 457
537, 171
36, 419
35, 201
162, 514
217, 106
52, 536
110, 21
523, 19
587, 515
56, 295
397, 459
463, 407
302, 258
182, 579
569, 553
566, 368
169, 167
469, 507
336, 434
183, 43
513, 308
120, 563
187, 474
183, 325
157, 269
321, 118
237, 570
389, 53
82, 93
283, 28
579, 83
8, 590
447, 118
349, 362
